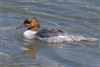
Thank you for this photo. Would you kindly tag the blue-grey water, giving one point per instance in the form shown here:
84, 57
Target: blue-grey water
75, 16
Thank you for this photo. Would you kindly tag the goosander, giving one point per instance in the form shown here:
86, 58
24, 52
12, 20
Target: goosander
49, 35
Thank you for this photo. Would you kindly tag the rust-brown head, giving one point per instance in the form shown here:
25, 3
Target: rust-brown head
30, 24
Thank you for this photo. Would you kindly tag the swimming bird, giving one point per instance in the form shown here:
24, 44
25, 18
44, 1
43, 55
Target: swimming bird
50, 35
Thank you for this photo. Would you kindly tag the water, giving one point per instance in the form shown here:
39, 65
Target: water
75, 16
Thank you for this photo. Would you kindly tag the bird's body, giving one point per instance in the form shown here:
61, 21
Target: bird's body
54, 36
49, 35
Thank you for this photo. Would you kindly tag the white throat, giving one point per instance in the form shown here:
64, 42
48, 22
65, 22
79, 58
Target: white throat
29, 34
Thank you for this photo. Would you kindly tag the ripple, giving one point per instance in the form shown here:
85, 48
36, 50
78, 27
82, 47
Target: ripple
75, 16
9, 28
4, 54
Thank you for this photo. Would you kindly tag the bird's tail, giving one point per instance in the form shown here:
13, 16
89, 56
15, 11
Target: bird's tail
80, 38
89, 39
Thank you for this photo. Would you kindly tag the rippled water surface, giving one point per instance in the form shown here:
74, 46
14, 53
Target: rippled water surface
74, 16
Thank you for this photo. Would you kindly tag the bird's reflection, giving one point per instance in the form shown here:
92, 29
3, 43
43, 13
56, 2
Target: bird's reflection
32, 47
31, 53
31, 50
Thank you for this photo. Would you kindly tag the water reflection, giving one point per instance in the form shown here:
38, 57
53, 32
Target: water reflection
29, 50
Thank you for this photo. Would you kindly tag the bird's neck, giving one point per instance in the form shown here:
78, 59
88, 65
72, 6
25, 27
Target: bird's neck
29, 34
34, 29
